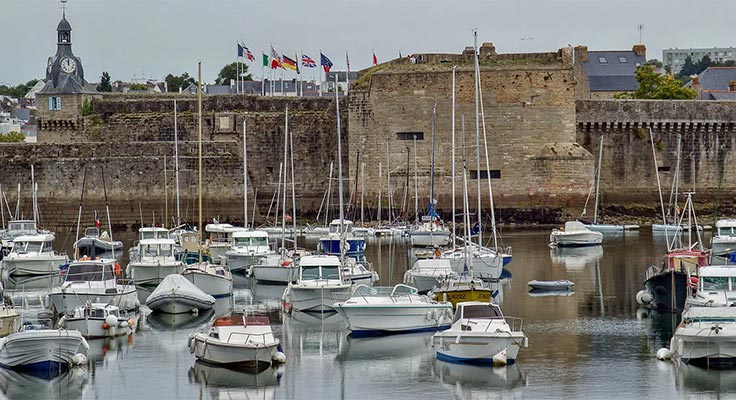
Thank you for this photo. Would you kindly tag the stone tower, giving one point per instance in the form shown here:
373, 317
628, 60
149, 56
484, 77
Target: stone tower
60, 101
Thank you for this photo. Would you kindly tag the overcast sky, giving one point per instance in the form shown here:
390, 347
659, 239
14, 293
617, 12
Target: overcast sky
151, 38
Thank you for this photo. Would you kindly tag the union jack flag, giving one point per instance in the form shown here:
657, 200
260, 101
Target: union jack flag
308, 62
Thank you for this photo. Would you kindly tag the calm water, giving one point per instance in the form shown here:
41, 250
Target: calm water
592, 344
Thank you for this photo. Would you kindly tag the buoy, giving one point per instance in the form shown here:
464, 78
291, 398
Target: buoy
111, 320
279, 357
500, 358
663, 354
643, 297
195, 311
105, 325
79, 359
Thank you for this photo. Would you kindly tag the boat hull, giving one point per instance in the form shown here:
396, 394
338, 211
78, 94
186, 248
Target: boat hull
242, 262
576, 239
65, 302
423, 283
149, 274
41, 349
92, 328
661, 287
429, 239
246, 356
365, 320
470, 294
355, 246
474, 348
274, 273
317, 298
33, 265
699, 345
216, 286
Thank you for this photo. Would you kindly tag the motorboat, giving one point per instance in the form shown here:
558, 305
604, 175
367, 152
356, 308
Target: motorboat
237, 341
611, 228
319, 285
144, 233
430, 232
575, 233
215, 280
97, 320
156, 260
359, 272
486, 263
457, 288
219, 240
715, 286
33, 255
16, 228
341, 240
95, 244
248, 248
426, 273
706, 337
40, 349
389, 310
93, 281
479, 334
723, 243
561, 284
175, 294
274, 269
9, 317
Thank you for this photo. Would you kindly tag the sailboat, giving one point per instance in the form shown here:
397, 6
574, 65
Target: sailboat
215, 280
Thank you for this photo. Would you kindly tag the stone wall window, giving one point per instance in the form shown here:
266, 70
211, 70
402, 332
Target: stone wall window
409, 135
663, 169
494, 174
54, 103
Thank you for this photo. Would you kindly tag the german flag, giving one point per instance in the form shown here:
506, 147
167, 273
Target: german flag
288, 63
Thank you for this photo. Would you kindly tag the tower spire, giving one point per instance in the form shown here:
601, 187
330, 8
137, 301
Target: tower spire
63, 8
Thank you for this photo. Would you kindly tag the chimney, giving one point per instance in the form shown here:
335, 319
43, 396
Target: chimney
487, 51
640, 50
582, 53
732, 86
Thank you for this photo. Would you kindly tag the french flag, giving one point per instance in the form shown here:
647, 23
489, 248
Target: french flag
97, 220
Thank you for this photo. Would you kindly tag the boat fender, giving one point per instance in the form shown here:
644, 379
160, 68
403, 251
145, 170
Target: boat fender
117, 269
279, 357
61, 322
500, 358
79, 359
190, 343
428, 316
105, 326
643, 297
111, 320
663, 354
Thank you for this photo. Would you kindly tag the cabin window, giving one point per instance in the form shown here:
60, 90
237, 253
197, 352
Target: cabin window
330, 272
47, 247
310, 273
715, 282
484, 174
484, 311
33, 247
166, 250
150, 251
410, 135
88, 272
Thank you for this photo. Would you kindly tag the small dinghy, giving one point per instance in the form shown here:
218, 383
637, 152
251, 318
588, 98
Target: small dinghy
40, 349
558, 285
176, 295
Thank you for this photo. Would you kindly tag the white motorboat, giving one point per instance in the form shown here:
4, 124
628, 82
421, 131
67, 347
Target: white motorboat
561, 284
426, 273
319, 285
723, 243
215, 280
485, 263
97, 320
398, 309
156, 260
716, 287
237, 341
219, 239
33, 255
16, 228
38, 348
480, 333
359, 272
706, 337
575, 234
147, 232
175, 295
274, 269
95, 244
429, 233
248, 248
93, 281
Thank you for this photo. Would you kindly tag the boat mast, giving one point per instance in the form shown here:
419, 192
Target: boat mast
454, 212
404, 210
329, 194
659, 189
199, 156
79, 213
293, 188
339, 174
431, 176
286, 168
166, 196
33, 195
380, 177
362, 191
416, 184
176, 166
245, 174
477, 133
598, 181
107, 210
466, 204
488, 167
388, 185
2, 207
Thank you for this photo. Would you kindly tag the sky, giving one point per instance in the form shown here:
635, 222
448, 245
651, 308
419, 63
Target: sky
134, 39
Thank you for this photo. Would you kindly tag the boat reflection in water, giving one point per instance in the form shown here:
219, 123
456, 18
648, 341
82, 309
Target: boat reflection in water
109, 349
165, 322
225, 383
387, 348
704, 383
479, 382
575, 258
15, 385
546, 293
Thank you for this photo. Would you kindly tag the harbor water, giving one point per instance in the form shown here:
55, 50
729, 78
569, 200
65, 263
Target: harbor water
593, 343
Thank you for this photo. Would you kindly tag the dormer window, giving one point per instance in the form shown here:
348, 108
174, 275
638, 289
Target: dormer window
622, 59
602, 60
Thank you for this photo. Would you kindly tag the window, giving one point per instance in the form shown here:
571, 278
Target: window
622, 59
494, 174
663, 169
54, 103
410, 135
602, 60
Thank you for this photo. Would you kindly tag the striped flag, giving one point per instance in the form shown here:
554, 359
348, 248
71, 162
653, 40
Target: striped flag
288, 63
308, 62
325, 62
97, 220
248, 54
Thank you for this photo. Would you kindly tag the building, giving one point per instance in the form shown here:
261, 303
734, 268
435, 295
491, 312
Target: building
612, 71
675, 58
279, 87
60, 101
715, 83
151, 86
342, 81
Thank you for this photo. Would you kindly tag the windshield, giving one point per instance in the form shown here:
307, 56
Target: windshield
88, 272
482, 311
727, 230
714, 282
331, 272
21, 226
310, 273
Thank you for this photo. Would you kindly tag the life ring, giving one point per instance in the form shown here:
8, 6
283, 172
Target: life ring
117, 269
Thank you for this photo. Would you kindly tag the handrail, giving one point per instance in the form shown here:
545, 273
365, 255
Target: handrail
248, 335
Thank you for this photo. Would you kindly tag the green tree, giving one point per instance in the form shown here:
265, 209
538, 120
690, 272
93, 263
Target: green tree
659, 87
654, 62
704, 63
12, 137
230, 72
688, 68
19, 90
104, 85
175, 83
138, 86
729, 63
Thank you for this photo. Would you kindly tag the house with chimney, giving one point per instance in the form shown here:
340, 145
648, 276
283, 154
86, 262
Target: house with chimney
612, 71
715, 83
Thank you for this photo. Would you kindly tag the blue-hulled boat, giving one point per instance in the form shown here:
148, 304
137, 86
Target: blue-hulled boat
330, 244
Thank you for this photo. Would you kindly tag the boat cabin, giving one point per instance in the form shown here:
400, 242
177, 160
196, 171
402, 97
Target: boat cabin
687, 260
250, 239
21, 227
156, 248
92, 232
726, 227
375, 291
90, 271
240, 329
347, 226
153, 232
320, 268
96, 310
33, 244
477, 310
220, 233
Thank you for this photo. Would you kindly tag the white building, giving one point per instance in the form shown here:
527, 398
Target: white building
675, 58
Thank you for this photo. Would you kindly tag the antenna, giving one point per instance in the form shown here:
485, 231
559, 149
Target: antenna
640, 27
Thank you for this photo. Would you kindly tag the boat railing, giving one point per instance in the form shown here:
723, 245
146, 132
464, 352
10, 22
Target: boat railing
515, 323
249, 335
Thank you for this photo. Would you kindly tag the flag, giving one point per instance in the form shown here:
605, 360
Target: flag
308, 62
265, 60
375, 60
248, 54
399, 53
275, 59
288, 63
325, 62
97, 219
240, 50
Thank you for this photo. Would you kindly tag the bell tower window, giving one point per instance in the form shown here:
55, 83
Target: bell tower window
64, 37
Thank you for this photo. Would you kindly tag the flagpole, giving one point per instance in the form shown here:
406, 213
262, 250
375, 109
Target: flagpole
263, 77
301, 81
347, 74
320, 74
237, 71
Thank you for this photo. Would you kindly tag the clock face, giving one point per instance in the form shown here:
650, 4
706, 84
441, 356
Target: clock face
68, 65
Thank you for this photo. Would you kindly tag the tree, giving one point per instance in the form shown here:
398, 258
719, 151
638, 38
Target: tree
659, 87
230, 72
688, 68
176, 83
19, 90
138, 86
12, 137
704, 63
104, 85
654, 62
729, 63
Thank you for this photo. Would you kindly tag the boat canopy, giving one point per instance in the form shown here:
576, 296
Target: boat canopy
433, 264
575, 226
726, 227
335, 226
22, 225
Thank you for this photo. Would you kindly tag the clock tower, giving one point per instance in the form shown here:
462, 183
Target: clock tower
60, 101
